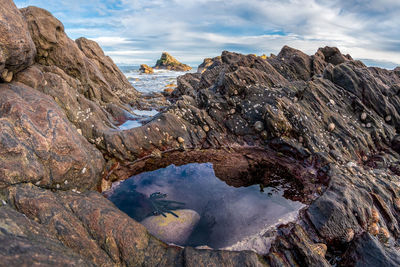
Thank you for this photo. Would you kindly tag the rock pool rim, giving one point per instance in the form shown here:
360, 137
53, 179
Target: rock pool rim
300, 179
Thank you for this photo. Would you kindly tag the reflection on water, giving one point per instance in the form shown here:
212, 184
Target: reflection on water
228, 215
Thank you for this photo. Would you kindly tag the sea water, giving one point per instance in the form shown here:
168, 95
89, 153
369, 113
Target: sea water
151, 83
230, 218
147, 83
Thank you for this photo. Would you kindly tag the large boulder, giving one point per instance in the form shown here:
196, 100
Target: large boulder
83, 60
170, 63
17, 50
39, 145
117, 81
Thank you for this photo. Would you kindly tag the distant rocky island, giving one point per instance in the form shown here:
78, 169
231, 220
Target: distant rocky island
168, 62
324, 128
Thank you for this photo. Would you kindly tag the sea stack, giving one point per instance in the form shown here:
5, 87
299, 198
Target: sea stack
146, 69
168, 62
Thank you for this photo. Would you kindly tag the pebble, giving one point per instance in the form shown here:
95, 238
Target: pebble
396, 202
320, 249
383, 235
232, 111
7, 76
264, 135
375, 216
388, 118
373, 229
363, 116
206, 128
180, 140
331, 127
368, 125
259, 126
349, 235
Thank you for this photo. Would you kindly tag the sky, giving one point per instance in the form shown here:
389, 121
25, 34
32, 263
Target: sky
138, 31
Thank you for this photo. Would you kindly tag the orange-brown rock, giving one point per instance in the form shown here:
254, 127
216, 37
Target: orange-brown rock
146, 69
39, 145
170, 63
17, 50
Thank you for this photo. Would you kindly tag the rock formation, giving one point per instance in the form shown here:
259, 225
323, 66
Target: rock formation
325, 124
17, 50
146, 69
168, 62
209, 63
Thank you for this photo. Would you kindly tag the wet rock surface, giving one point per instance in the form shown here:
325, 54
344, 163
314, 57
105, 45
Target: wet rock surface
273, 117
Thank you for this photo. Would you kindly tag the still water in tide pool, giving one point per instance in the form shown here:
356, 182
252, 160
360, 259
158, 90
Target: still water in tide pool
227, 214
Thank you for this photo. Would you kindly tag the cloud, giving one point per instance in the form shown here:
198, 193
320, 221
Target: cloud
195, 29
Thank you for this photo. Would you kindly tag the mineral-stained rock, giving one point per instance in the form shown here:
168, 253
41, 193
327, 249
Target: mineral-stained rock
146, 69
172, 229
38, 144
24, 242
17, 50
170, 63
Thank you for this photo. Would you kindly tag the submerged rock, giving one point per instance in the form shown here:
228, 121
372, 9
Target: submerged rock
172, 229
170, 63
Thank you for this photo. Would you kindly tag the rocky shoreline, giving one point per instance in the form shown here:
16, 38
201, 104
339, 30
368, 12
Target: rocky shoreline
325, 124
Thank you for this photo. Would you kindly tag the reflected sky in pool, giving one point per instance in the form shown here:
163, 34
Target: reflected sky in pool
228, 214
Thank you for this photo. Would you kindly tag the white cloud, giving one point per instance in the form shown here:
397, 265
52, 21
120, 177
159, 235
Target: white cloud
111, 41
195, 29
